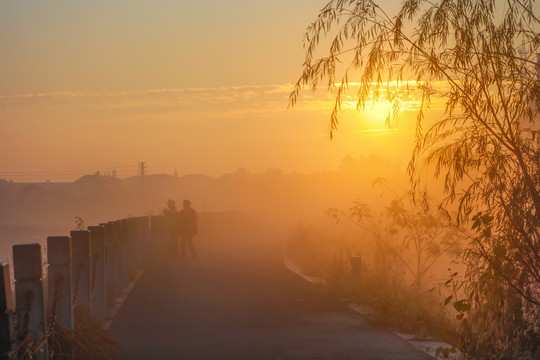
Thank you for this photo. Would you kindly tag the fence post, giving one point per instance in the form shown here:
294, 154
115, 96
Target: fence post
99, 299
135, 243
117, 276
6, 308
124, 263
131, 243
144, 222
80, 241
60, 294
29, 301
138, 242
109, 262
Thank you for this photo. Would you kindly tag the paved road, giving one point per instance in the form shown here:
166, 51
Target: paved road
238, 301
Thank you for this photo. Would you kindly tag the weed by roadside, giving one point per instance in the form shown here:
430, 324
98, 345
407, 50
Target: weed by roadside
89, 340
380, 285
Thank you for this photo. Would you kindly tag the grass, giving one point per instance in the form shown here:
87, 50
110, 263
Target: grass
396, 304
89, 340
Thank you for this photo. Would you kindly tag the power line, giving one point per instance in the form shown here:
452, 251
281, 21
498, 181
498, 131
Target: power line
64, 175
39, 172
142, 168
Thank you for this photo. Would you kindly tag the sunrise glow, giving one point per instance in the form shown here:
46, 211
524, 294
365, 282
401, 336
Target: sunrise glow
306, 179
377, 112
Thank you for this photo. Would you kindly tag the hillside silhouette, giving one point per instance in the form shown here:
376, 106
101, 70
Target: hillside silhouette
37, 207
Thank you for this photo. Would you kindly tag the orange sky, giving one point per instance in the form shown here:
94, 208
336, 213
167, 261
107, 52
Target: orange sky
195, 86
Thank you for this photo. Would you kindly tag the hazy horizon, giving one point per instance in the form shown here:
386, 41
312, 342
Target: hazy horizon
200, 88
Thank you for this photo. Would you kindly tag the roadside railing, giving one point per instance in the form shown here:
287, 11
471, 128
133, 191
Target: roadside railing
93, 268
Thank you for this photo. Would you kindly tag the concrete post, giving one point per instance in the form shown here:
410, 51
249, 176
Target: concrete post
117, 276
109, 262
80, 242
131, 243
124, 263
60, 294
135, 244
99, 297
145, 240
138, 242
6, 309
29, 302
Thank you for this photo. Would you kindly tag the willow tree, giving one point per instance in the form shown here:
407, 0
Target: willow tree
479, 57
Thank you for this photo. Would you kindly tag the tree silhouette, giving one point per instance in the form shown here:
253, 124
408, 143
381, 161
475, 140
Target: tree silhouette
480, 58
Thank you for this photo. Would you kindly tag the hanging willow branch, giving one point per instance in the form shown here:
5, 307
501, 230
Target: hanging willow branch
480, 57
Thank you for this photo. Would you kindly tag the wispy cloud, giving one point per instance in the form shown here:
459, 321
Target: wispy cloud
270, 98
234, 125
251, 95
269, 101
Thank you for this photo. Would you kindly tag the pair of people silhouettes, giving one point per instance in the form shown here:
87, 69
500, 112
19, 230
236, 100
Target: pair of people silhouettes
183, 225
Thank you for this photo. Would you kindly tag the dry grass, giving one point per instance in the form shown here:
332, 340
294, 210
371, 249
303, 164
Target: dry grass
396, 304
90, 340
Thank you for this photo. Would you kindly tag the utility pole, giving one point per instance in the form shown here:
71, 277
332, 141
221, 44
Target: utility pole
142, 170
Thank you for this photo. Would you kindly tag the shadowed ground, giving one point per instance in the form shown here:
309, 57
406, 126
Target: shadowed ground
238, 301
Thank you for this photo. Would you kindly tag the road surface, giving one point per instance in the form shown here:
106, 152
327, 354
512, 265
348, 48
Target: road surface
238, 301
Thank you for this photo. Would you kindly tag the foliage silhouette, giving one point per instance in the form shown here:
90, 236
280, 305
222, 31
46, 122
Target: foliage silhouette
478, 57
405, 233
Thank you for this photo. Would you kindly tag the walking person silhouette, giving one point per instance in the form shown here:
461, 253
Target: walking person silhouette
188, 229
171, 214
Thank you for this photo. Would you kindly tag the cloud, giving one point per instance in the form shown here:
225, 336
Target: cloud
189, 99
235, 125
251, 101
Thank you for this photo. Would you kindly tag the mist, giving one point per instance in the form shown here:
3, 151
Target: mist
307, 179
281, 198
271, 206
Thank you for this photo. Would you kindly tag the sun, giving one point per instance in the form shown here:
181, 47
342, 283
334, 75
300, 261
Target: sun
377, 112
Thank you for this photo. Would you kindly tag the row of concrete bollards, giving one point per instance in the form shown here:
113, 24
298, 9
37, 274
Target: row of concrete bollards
90, 268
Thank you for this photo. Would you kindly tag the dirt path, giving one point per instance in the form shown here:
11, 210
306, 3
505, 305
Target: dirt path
238, 301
